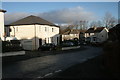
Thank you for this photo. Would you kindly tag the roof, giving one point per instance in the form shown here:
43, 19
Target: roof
95, 30
66, 33
72, 31
90, 30
99, 29
2, 10
32, 20
65, 30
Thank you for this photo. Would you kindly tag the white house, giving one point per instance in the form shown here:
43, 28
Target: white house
2, 33
34, 31
96, 34
1, 28
70, 34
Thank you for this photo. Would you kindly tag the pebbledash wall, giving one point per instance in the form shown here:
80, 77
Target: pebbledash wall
2, 24
32, 36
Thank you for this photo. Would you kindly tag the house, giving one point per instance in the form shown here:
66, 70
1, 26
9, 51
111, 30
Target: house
1, 28
34, 31
72, 34
114, 33
96, 34
2, 24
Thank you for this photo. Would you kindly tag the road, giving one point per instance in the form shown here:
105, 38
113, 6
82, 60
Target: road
41, 67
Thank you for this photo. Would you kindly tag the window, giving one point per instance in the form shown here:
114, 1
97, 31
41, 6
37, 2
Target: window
57, 40
45, 28
89, 34
52, 29
16, 28
39, 28
45, 40
48, 40
52, 39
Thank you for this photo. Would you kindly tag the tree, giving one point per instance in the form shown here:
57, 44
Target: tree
93, 24
99, 24
109, 20
118, 21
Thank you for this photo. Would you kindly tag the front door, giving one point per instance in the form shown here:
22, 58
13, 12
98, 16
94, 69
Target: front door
40, 42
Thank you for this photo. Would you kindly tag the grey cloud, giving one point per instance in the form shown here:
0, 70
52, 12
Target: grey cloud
60, 0
68, 15
11, 17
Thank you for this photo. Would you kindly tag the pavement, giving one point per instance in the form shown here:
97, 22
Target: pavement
9, 57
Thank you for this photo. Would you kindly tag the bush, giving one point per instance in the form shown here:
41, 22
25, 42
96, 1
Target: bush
11, 46
111, 56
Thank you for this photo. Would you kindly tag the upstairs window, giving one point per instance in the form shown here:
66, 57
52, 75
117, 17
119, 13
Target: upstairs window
17, 29
52, 29
39, 28
45, 28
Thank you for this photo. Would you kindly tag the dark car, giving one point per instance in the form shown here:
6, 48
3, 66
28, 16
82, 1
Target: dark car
67, 44
48, 46
83, 43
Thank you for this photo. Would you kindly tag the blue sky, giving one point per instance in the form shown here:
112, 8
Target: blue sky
98, 9
60, 0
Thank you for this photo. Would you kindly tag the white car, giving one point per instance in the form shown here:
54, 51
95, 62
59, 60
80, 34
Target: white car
10, 38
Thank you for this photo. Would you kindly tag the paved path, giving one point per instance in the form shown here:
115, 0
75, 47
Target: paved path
47, 65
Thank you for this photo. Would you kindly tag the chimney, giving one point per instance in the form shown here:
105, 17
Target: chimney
94, 27
2, 31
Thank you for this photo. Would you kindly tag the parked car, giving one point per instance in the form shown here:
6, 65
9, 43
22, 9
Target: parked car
67, 44
48, 46
83, 43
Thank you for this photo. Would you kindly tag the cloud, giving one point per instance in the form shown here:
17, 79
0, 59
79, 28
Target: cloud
11, 17
67, 15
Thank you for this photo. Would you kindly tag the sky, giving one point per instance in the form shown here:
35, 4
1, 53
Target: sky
59, 12
60, 0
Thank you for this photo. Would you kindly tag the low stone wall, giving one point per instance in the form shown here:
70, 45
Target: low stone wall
67, 48
13, 53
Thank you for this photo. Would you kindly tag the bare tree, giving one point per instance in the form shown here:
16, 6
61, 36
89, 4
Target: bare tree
109, 20
93, 24
118, 21
99, 23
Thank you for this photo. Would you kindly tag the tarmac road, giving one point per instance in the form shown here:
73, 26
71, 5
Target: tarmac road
42, 67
